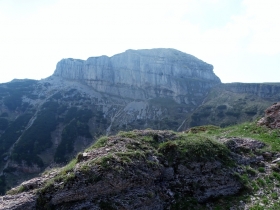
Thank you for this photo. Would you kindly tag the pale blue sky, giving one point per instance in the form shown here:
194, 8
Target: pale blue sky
240, 38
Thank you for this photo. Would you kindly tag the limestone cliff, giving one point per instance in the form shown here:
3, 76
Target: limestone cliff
142, 74
263, 90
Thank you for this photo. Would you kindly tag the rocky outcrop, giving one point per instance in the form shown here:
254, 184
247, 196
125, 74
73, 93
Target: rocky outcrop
143, 169
272, 117
263, 90
142, 74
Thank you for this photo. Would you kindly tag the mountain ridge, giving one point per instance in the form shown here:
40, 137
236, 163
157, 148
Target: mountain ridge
163, 71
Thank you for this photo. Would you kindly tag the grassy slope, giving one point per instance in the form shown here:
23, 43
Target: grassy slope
262, 182
224, 108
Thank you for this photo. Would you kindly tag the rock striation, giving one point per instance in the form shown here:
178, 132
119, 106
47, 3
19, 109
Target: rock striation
142, 74
262, 90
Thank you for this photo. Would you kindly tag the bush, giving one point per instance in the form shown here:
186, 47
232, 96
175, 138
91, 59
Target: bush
77, 127
2, 185
233, 112
251, 110
222, 107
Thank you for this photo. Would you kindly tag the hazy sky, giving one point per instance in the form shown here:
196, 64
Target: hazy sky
240, 38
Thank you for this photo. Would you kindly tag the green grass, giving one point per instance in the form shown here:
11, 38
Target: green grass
261, 169
129, 134
251, 130
101, 142
17, 190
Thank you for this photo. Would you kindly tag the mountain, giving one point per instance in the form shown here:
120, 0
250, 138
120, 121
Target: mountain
143, 74
45, 123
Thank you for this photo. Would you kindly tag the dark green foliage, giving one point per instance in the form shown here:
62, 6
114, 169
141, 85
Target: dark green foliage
167, 147
101, 142
220, 114
57, 96
261, 169
205, 113
61, 109
227, 123
9, 170
203, 128
193, 147
77, 126
68, 137
71, 113
38, 137
106, 205
2, 185
13, 132
4, 123
251, 110
202, 148
13, 101
233, 112
15, 92
84, 115
70, 92
4, 114
194, 123
24, 85
3, 91
43, 203
186, 203
209, 107
222, 107
195, 119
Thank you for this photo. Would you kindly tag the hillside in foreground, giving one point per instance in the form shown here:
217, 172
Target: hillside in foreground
206, 167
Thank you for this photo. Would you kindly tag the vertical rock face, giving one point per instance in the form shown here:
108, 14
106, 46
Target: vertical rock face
263, 90
142, 74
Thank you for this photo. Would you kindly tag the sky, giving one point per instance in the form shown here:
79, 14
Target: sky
240, 38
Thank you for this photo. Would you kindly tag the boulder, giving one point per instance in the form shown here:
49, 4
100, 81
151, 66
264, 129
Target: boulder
272, 117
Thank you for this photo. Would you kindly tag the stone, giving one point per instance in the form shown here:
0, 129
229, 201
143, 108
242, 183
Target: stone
276, 160
272, 117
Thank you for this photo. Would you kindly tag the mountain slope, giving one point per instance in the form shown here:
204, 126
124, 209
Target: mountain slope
233, 103
48, 122
205, 167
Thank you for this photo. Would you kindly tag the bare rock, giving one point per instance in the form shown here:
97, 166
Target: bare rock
242, 144
159, 70
272, 117
20, 201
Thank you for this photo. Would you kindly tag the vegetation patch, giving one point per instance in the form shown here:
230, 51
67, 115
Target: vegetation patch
77, 126
38, 137
13, 132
